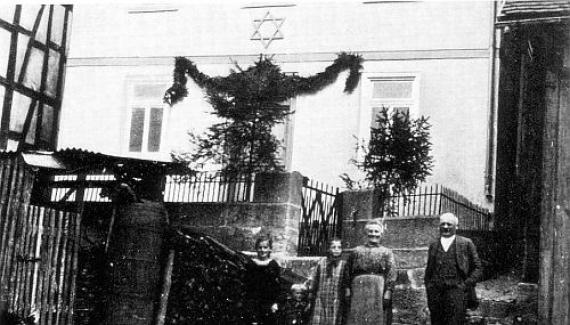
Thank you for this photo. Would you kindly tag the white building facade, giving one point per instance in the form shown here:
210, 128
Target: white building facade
432, 58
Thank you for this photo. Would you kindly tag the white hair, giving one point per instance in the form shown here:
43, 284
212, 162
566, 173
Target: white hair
449, 215
378, 222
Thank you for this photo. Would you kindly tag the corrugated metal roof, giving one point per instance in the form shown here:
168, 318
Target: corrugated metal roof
533, 10
73, 158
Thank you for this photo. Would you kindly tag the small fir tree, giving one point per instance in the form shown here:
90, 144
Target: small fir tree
397, 157
251, 102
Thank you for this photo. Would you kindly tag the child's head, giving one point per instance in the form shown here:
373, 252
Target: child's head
263, 247
298, 291
335, 247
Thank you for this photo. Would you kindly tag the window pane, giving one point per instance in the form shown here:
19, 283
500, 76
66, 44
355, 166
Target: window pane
149, 91
22, 45
20, 107
401, 109
375, 112
29, 15
31, 136
33, 73
47, 124
5, 50
392, 89
137, 129
41, 34
155, 129
57, 23
53, 70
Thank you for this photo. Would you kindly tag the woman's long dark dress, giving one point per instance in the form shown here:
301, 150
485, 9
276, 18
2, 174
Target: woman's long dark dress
263, 291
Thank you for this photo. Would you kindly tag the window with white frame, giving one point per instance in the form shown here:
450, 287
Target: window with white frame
395, 92
146, 117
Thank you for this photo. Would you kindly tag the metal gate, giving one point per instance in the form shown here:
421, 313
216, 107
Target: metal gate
320, 220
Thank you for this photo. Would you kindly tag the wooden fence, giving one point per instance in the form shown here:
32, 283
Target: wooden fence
38, 250
39, 262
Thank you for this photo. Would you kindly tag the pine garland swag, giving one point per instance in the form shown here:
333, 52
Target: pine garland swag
294, 85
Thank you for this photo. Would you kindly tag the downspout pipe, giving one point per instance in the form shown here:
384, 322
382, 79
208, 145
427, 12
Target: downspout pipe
492, 121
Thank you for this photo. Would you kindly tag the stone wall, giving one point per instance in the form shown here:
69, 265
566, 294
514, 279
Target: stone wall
409, 239
275, 210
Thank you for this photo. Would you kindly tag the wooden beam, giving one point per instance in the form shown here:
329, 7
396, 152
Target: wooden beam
43, 84
9, 93
554, 286
29, 92
60, 77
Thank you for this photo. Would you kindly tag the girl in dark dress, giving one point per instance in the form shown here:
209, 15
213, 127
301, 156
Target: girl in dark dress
264, 286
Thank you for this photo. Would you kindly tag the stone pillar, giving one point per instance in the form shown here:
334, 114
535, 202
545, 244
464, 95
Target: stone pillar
283, 191
278, 187
275, 210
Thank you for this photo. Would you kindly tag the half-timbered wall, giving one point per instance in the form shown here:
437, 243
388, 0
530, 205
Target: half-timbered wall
33, 50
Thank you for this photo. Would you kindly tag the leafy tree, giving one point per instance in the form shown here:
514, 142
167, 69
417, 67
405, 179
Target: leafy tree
397, 157
251, 102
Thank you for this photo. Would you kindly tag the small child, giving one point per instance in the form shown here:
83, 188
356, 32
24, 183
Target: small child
330, 286
296, 308
263, 283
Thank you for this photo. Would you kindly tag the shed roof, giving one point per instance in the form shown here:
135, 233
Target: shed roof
533, 11
73, 159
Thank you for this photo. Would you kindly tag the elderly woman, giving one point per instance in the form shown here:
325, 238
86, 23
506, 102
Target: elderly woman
372, 274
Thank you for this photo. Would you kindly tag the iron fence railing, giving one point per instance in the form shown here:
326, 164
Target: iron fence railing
198, 187
320, 204
435, 199
209, 187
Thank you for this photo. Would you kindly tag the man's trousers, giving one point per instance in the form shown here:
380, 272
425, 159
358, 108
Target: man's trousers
446, 305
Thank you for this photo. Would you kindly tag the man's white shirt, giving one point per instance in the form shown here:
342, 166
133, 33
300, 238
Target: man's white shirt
446, 242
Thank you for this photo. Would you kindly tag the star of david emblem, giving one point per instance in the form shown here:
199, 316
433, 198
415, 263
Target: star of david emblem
267, 29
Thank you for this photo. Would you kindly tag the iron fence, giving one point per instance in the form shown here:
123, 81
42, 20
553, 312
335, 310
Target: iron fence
209, 187
320, 204
198, 187
435, 199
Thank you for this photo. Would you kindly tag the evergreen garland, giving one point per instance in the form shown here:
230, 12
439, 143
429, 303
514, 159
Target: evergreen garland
294, 85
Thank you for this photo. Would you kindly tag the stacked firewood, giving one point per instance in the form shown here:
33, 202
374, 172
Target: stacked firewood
208, 282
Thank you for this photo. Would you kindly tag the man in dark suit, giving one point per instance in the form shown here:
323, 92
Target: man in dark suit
452, 271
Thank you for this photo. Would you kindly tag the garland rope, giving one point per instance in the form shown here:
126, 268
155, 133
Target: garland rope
297, 85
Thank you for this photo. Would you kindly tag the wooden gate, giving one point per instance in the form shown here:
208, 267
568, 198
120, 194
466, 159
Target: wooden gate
38, 259
320, 220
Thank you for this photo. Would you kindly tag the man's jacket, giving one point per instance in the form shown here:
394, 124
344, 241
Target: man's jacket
468, 261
